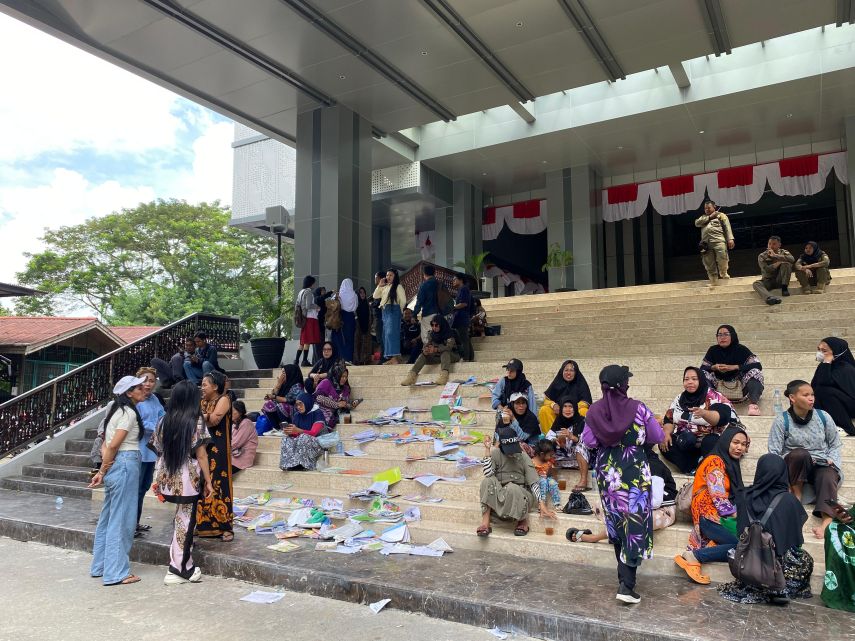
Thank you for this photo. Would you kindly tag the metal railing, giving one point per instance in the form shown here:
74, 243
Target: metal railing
42, 411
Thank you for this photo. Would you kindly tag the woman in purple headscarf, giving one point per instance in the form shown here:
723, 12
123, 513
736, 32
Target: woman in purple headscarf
619, 428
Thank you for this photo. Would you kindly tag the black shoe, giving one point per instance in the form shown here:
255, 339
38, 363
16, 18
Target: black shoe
780, 600
625, 595
306, 363
773, 300
785, 291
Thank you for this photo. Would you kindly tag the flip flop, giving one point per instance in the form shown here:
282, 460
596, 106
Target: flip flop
484, 531
693, 570
228, 537
126, 581
521, 530
573, 534
143, 527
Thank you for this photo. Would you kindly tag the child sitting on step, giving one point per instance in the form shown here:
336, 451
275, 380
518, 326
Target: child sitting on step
544, 461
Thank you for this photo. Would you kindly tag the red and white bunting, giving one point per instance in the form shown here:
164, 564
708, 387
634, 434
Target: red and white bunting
526, 217
425, 245
802, 176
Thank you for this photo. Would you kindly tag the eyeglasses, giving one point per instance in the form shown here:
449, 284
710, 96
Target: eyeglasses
434, 324
722, 334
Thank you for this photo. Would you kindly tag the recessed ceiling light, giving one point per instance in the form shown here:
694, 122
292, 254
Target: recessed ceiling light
620, 147
424, 53
700, 131
544, 162
342, 76
520, 24
789, 115
484, 174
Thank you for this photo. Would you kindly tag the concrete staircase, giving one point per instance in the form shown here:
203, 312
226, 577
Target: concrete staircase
656, 330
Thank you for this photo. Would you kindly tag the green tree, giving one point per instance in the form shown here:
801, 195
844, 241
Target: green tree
157, 262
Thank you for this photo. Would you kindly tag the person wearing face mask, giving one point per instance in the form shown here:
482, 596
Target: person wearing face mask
834, 382
812, 269
808, 440
717, 482
716, 239
776, 266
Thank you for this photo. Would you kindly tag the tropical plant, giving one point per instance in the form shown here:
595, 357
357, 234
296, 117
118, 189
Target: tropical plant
557, 258
474, 266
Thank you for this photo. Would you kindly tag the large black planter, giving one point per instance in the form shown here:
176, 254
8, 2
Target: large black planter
267, 352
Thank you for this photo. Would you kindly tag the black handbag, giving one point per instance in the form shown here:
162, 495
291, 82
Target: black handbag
577, 504
754, 561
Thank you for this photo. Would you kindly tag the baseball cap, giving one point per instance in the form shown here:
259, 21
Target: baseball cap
514, 364
509, 443
516, 396
126, 383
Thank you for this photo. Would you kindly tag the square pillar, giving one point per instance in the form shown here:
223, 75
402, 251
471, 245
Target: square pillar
457, 231
332, 222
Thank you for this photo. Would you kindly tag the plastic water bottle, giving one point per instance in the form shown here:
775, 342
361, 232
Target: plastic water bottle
58, 502
339, 449
777, 405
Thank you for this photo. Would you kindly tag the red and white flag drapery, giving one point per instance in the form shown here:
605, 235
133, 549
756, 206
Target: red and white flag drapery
424, 243
526, 217
802, 176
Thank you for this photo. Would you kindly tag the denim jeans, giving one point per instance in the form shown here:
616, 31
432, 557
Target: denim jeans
114, 534
724, 539
391, 331
195, 372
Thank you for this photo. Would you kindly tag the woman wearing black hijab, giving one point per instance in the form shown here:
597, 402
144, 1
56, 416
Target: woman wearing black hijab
523, 421
322, 367
569, 454
570, 383
514, 382
727, 364
362, 348
834, 382
811, 269
784, 524
279, 404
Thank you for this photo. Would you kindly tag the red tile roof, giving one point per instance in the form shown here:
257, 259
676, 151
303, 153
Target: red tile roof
29, 330
130, 333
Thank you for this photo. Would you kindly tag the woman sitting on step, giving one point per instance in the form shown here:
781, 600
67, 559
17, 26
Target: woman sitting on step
333, 395
568, 383
512, 383
523, 422
694, 422
244, 438
717, 482
570, 452
279, 404
511, 486
733, 370
808, 440
300, 449
811, 269
320, 370
834, 382
441, 349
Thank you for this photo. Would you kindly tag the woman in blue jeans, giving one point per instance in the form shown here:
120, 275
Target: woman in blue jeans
120, 473
717, 481
392, 299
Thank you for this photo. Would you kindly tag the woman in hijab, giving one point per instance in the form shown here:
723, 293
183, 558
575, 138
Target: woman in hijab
717, 482
300, 448
322, 366
570, 452
523, 422
279, 404
441, 348
784, 524
812, 269
834, 382
333, 395
343, 338
618, 427
568, 383
514, 382
362, 345
808, 440
733, 370
695, 420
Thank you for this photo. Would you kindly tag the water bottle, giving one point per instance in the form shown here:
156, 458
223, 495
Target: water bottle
339, 449
58, 502
777, 405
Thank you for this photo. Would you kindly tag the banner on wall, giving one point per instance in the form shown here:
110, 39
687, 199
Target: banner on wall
745, 185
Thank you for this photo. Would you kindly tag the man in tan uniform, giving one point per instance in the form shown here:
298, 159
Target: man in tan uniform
716, 239
776, 266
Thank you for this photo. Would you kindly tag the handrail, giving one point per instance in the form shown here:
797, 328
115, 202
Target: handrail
41, 411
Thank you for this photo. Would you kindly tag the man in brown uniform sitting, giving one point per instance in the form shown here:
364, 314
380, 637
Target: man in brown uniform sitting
776, 266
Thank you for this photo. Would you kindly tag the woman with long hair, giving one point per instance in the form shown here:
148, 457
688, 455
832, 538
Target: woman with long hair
244, 438
214, 515
182, 475
120, 473
392, 299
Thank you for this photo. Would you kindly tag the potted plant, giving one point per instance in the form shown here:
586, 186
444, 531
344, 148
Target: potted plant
474, 266
557, 258
273, 328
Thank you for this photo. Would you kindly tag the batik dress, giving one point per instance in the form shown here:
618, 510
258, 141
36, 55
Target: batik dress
214, 515
624, 482
183, 488
838, 590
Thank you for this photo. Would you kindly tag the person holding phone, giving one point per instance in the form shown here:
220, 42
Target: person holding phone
716, 239
808, 440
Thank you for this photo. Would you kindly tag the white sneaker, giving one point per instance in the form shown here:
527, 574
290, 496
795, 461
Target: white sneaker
173, 579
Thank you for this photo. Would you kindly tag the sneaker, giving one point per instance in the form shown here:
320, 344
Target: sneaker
785, 291
173, 579
442, 379
626, 595
409, 379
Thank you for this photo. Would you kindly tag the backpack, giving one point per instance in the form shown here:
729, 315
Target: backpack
299, 317
95, 452
754, 561
332, 319
787, 423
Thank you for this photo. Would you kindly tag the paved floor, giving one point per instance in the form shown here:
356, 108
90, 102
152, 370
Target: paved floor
47, 594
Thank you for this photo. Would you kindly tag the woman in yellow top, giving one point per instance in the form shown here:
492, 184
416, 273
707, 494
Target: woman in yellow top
569, 383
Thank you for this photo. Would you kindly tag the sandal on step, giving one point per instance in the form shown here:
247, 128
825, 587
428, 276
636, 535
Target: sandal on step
484, 530
574, 534
692, 569
126, 581
521, 530
228, 537
143, 527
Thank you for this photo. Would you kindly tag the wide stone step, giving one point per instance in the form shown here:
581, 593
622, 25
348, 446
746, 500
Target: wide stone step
694, 349
46, 486
570, 331
68, 459
78, 446
55, 472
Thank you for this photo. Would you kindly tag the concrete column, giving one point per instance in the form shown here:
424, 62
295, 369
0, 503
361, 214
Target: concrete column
849, 125
443, 236
559, 228
610, 243
644, 246
457, 231
332, 227
381, 248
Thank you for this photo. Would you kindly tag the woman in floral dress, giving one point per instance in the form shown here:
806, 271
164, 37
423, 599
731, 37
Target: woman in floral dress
215, 515
619, 427
180, 441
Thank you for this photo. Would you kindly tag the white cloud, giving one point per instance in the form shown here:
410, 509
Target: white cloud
210, 177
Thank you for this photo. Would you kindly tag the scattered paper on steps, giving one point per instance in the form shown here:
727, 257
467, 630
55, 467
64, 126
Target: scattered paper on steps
379, 605
396, 534
263, 597
441, 545
283, 546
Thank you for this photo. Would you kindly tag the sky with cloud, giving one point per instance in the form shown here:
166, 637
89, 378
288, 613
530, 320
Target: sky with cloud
82, 138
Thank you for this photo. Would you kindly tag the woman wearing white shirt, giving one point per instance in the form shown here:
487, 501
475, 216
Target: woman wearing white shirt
120, 473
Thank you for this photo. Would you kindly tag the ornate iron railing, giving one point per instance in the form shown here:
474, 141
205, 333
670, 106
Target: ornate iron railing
412, 278
40, 412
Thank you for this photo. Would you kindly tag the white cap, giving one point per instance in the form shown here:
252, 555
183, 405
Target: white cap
518, 395
126, 383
